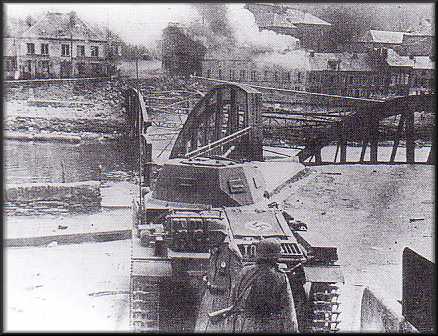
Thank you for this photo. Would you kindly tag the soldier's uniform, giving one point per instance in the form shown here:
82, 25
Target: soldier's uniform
224, 264
262, 295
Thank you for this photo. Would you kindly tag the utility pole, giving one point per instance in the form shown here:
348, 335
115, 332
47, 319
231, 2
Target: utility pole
71, 43
136, 60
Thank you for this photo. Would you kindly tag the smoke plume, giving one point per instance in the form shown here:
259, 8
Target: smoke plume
247, 33
231, 29
214, 27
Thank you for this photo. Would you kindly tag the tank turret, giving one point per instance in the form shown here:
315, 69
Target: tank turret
213, 182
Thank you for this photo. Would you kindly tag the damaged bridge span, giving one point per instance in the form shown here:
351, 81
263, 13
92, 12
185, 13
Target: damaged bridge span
235, 120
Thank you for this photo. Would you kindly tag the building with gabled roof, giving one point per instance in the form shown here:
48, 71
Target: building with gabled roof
310, 30
420, 42
60, 45
373, 39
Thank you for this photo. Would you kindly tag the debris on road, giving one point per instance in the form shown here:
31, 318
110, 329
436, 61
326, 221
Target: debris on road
102, 293
332, 173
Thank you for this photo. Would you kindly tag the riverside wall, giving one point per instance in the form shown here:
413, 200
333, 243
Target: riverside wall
38, 198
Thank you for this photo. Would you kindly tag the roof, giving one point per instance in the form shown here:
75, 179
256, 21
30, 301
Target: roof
423, 63
425, 29
382, 36
281, 21
15, 27
58, 25
296, 17
285, 17
347, 61
395, 60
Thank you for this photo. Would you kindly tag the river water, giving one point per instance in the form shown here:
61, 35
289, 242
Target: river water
30, 162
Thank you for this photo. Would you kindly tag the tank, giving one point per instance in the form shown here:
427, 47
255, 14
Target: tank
170, 254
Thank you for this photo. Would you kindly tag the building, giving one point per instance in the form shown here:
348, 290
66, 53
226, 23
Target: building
374, 39
61, 45
310, 30
422, 75
181, 54
345, 74
279, 70
420, 42
378, 73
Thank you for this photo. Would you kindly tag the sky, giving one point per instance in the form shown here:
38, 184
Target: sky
143, 23
136, 23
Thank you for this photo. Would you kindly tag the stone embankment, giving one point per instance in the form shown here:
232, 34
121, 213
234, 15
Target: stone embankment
76, 106
38, 198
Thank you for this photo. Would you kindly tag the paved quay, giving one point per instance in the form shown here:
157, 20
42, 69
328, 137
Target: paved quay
112, 222
107, 225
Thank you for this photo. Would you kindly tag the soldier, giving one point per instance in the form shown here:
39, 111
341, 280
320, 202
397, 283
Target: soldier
224, 264
262, 298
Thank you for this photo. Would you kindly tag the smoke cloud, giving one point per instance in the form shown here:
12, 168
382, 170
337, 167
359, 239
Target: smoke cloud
246, 32
293, 59
213, 27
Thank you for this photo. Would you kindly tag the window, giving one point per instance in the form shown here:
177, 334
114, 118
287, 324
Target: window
332, 64
276, 76
44, 48
10, 64
81, 51
299, 77
28, 66
232, 74
253, 76
81, 68
208, 73
266, 75
242, 75
220, 73
30, 48
65, 50
94, 51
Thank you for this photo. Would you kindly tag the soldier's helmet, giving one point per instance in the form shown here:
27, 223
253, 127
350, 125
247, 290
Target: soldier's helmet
268, 249
217, 226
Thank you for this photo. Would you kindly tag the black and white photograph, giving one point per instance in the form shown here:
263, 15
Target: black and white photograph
219, 167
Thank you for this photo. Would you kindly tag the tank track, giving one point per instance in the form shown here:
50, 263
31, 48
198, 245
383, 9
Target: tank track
144, 305
326, 308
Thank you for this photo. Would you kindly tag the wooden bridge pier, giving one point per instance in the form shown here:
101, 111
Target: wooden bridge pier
373, 127
410, 136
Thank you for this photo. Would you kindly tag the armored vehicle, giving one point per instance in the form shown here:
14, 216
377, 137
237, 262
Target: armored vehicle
170, 244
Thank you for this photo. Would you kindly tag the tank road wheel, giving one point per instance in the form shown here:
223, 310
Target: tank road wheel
325, 308
144, 304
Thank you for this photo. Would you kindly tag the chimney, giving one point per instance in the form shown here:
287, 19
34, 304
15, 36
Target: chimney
311, 53
411, 57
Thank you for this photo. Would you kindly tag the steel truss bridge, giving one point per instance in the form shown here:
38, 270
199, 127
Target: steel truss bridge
235, 120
